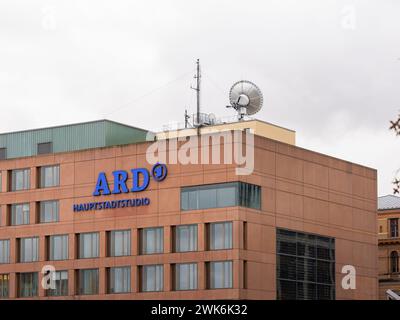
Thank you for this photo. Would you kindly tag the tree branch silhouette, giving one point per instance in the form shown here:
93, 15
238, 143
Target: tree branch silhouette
395, 126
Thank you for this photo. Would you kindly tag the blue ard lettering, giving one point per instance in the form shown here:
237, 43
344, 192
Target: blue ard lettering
101, 185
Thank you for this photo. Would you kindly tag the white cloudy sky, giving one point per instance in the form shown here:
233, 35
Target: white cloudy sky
328, 69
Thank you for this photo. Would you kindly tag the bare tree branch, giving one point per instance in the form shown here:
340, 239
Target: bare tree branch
395, 126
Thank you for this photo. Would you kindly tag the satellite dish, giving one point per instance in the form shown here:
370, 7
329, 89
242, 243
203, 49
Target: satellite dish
246, 98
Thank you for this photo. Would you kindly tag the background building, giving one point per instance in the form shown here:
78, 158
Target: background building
389, 244
283, 232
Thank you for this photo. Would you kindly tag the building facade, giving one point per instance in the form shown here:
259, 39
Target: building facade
114, 226
389, 245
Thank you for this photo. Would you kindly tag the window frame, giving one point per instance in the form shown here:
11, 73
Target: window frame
26, 179
55, 178
111, 279
158, 241
94, 255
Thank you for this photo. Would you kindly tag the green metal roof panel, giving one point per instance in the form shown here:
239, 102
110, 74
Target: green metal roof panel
71, 137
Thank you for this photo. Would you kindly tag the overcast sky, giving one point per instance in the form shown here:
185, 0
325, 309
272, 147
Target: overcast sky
328, 69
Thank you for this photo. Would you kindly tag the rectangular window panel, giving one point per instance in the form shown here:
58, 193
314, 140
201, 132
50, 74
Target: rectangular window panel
186, 238
186, 276
119, 243
58, 247
152, 278
89, 245
28, 284
221, 195
3, 153
20, 214
4, 251
220, 275
119, 280
4, 286
305, 266
44, 148
88, 281
61, 284
220, 235
49, 176
49, 211
394, 228
29, 249
20, 179
152, 240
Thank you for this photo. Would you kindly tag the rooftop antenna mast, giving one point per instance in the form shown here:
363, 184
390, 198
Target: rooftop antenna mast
197, 121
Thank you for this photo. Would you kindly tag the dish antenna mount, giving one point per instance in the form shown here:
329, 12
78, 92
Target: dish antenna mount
246, 98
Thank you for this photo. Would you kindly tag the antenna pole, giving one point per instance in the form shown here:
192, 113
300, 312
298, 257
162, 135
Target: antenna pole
197, 77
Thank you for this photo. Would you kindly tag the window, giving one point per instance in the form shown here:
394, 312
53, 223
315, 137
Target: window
394, 227
220, 275
27, 284
44, 148
3, 153
220, 235
49, 176
305, 266
186, 276
394, 262
61, 284
186, 238
152, 278
29, 249
89, 245
20, 179
58, 247
49, 211
152, 240
119, 243
221, 195
4, 285
4, 251
20, 214
119, 280
88, 281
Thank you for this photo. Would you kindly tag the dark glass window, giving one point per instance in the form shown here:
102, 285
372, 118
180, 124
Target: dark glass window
220, 235
221, 195
58, 247
394, 262
4, 251
28, 284
185, 238
29, 249
305, 266
152, 278
119, 243
220, 274
20, 179
19, 214
119, 280
49, 211
61, 284
88, 245
44, 148
151, 240
88, 281
4, 285
185, 276
394, 228
49, 176
3, 153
